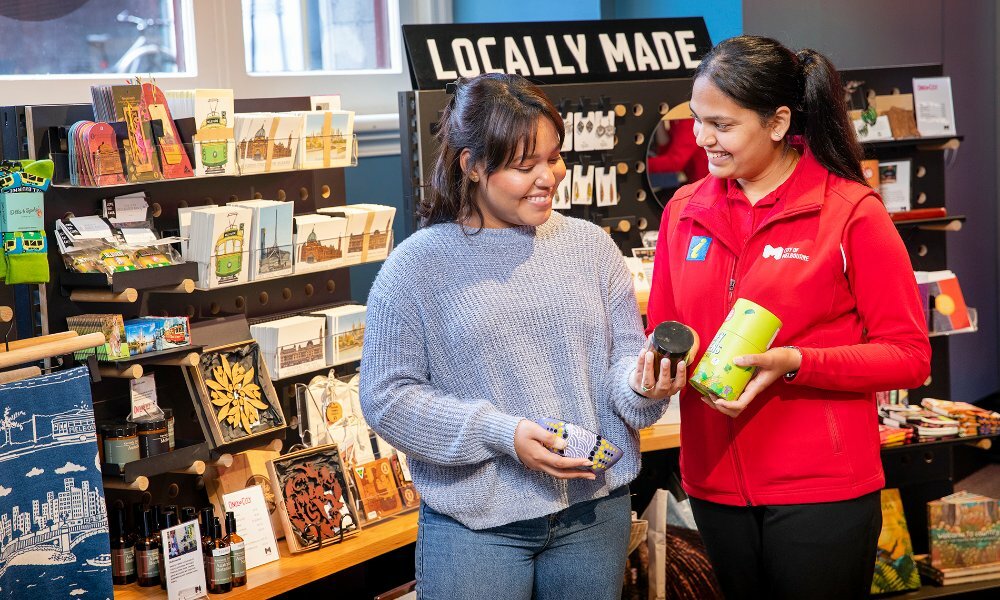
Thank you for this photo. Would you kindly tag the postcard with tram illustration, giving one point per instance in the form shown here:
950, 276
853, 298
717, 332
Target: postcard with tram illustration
53, 522
270, 238
219, 241
214, 146
234, 393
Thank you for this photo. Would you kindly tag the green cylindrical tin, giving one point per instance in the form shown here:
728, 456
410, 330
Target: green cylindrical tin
748, 329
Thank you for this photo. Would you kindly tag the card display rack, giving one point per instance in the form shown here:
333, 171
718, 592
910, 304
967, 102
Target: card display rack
167, 478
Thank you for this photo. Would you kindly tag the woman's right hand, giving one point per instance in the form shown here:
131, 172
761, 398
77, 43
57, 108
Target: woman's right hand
532, 442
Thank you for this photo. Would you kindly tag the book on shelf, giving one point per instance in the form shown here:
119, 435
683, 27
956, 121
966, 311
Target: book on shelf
963, 530
955, 576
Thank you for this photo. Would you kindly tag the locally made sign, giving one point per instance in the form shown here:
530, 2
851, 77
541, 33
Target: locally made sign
561, 52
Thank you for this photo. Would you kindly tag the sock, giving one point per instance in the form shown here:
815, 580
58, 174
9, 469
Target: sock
27, 260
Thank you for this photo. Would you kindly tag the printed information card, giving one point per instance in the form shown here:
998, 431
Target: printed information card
183, 565
253, 523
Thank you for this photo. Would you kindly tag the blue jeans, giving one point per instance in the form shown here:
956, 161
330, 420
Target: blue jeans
578, 552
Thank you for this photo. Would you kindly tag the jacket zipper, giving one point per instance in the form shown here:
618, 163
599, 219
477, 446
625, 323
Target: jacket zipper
737, 463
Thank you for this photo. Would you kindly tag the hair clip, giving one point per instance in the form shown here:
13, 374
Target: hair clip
450, 87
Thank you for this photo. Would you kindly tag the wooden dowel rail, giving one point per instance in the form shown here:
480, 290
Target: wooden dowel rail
6, 314
48, 349
42, 339
196, 468
141, 483
128, 296
224, 460
19, 374
130, 372
184, 287
186, 360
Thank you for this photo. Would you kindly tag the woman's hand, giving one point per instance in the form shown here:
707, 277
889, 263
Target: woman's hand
642, 381
532, 442
771, 366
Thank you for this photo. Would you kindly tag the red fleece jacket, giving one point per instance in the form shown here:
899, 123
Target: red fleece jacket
831, 265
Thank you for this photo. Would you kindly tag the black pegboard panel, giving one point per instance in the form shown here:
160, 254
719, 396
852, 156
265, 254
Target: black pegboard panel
639, 107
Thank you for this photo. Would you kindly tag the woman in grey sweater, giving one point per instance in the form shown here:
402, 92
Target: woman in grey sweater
496, 313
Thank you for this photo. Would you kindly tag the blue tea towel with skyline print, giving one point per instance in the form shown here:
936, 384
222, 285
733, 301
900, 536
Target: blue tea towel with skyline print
53, 519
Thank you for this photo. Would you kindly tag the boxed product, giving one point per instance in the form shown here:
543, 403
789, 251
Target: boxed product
140, 336
113, 328
171, 332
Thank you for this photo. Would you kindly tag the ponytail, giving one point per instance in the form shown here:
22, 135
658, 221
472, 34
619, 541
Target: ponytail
761, 74
824, 121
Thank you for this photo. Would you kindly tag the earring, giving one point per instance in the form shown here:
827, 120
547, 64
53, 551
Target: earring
474, 178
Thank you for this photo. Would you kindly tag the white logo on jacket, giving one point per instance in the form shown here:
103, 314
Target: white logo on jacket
778, 253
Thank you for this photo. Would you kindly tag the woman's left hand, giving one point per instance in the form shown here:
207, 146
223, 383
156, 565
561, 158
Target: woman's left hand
771, 366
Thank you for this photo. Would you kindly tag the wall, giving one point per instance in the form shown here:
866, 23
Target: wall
861, 33
376, 179
724, 18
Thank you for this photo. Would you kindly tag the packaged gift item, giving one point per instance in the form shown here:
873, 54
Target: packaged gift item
113, 328
377, 489
313, 497
170, 332
235, 397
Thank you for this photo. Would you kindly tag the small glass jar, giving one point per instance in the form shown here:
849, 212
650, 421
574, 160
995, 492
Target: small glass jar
674, 340
121, 443
153, 438
168, 414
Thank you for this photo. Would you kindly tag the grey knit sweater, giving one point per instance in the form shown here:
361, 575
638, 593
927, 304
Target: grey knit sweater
468, 334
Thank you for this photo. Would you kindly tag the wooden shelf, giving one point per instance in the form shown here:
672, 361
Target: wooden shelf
660, 437
968, 590
295, 570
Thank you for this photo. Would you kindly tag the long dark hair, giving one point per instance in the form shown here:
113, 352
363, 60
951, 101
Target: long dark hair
492, 115
761, 74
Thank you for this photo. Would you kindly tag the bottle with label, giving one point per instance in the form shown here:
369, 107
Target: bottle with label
169, 520
147, 553
122, 551
218, 563
237, 550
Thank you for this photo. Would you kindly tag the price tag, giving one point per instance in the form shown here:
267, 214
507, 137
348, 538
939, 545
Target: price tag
143, 392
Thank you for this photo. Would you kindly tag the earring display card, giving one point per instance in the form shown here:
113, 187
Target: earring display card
584, 135
606, 186
567, 145
313, 497
562, 200
583, 184
234, 393
604, 131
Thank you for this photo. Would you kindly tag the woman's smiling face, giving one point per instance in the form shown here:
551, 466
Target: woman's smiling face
738, 144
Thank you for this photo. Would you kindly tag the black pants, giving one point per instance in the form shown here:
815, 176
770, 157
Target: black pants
807, 551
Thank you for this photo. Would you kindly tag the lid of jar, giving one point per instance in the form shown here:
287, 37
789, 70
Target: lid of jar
671, 337
117, 429
151, 424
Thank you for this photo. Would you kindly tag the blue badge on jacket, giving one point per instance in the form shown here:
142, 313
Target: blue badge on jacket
698, 249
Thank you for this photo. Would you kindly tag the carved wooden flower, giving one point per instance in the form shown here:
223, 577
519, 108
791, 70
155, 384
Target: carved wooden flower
236, 395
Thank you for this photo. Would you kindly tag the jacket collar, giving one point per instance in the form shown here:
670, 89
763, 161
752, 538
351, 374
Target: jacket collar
804, 194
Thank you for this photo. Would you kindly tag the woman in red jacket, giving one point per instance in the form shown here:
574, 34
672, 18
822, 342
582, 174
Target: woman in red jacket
785, 480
